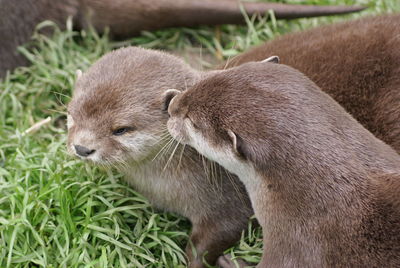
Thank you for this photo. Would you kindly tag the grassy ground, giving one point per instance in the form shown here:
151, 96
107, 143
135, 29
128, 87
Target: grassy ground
56, 211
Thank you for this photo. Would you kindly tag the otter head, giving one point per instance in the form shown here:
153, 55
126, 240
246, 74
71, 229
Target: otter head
219, 116
116, 114
191, 122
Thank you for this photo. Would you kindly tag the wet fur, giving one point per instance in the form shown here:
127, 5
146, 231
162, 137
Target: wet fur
324, 189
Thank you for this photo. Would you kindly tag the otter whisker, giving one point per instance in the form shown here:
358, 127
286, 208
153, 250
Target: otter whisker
171, 145
167, 144
205, 168
173, 153
164, 140
214, 177
180, 157
165, 137
163, 131
121, 163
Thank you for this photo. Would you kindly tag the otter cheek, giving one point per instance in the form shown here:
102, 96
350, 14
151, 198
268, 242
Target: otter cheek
70, 139
70, 122
197, 141
202, 144
173, 128
70, 151
137, 145
177, 129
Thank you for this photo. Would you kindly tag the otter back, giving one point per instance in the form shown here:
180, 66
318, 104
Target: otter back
356, 63
325, 190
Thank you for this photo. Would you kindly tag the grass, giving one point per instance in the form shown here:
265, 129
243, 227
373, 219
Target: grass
55, 211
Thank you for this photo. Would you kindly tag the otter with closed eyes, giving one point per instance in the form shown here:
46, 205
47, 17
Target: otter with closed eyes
324, 189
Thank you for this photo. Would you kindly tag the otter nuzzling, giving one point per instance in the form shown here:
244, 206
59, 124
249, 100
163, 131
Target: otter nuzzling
122, 94
324, 189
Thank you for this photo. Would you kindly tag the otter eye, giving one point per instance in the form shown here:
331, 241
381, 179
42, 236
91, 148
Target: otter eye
122, 131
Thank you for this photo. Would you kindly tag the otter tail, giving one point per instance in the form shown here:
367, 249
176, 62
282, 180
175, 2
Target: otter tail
130, 17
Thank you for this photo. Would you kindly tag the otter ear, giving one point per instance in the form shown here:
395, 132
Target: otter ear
238, 144
78, 74
167, 98
273, 59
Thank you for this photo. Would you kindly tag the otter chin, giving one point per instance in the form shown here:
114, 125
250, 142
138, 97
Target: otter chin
324, 189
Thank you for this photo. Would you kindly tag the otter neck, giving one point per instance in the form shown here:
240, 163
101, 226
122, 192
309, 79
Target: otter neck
164, 181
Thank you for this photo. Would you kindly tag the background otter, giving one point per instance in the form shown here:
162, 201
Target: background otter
355, 62
324, 189
128, 17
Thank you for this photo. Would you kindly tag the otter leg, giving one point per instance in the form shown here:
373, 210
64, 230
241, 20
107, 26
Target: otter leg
208, 241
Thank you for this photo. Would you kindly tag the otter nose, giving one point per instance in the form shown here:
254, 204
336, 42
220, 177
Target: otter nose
83, 151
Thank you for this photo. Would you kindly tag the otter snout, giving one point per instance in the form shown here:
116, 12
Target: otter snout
84, 144
83, 151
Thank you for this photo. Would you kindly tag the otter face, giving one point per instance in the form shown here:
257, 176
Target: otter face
112, 136
221, 120
217, 144
114, 124
116, 115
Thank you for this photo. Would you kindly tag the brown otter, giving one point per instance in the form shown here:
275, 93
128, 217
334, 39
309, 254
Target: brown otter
325, 190
116, 119
355, 62
128, 17
133, 69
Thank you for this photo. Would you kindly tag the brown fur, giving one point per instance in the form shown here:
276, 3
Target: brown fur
356, 63
124, 88
326, 191
138, 77
125, 18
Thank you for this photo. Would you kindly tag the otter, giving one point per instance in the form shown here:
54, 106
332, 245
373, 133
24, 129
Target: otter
324, 189
126, 18
355, 62
133, 69
116, 119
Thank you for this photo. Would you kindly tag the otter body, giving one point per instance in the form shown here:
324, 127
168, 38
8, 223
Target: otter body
125, 18
116, 119
130, 71
355, 62
325, 190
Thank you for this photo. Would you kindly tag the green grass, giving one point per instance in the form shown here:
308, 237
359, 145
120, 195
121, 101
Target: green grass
55, 211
